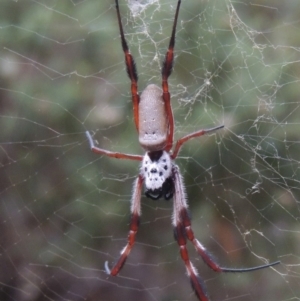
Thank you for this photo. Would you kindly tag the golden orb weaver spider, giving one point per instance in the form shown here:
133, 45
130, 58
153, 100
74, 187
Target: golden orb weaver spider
154, 122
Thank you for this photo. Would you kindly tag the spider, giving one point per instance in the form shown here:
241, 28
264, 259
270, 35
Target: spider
154, 122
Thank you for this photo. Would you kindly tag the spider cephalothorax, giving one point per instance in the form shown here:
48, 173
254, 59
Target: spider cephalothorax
156, 169
154, 122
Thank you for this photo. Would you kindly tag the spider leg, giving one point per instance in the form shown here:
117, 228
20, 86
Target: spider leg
101, 151
196, 282
184, 139
166, 72
183, 231
134, 224
208, 258
180, 203
131, 70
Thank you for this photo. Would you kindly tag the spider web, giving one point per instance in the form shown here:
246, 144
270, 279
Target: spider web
65, 211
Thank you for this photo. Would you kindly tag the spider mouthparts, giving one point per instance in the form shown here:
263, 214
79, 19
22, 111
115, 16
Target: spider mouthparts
154, 194
166, 191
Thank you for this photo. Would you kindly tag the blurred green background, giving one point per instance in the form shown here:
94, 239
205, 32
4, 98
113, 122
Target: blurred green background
65, 211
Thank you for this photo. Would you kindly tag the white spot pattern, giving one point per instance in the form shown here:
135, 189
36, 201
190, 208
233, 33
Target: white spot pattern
156, 172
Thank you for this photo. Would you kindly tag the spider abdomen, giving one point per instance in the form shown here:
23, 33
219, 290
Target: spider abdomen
153, 123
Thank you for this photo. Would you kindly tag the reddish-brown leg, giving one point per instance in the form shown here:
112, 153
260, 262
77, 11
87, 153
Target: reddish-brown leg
131, 70
183, 231
196, 282
207, 258
184, 139
179, 204
134, 224
102, 151
166, 72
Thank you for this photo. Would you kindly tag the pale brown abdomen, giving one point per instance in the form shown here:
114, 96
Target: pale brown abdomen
153, 123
